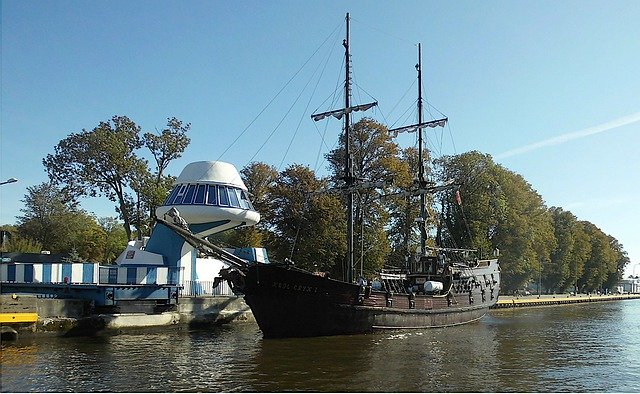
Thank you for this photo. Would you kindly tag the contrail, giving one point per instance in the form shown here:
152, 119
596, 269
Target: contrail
625, 120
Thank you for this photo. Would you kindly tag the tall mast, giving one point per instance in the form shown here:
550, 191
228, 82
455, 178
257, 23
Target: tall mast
348, 164
421, 180
349, 177
423, 187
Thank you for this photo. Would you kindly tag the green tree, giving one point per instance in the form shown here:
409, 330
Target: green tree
7, 234
309, 229
48, 216
12, 242
622, 260
23, 245
115, 239
104, 161
499, 210
404, 208
259, 178
53, 219
602, 261
165, 147
571, 253
375, 158
100, 162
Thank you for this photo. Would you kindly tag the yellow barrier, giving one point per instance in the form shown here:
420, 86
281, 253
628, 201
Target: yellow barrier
18, 318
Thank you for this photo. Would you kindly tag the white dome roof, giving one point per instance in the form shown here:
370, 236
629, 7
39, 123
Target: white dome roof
211, 171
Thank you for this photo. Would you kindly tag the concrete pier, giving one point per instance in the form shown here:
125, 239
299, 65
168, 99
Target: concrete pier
558, 299
77, 317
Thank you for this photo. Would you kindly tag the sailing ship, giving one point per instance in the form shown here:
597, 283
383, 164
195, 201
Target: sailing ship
440, 287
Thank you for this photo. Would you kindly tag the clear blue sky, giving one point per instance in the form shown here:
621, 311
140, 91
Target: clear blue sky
551, 89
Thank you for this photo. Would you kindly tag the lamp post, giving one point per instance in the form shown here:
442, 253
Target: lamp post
10, 180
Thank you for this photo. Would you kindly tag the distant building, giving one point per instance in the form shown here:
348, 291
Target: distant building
629, 285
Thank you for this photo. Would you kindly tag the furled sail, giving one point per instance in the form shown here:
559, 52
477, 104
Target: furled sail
339, 113
413, 128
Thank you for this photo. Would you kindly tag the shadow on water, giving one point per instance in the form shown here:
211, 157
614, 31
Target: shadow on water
424, 360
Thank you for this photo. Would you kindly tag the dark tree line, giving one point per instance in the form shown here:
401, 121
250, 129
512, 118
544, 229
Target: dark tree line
303, 217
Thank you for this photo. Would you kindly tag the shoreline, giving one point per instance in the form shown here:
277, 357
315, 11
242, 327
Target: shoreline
557, 299
193, 312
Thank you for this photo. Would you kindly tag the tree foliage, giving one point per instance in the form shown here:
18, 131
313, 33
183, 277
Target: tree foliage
12, 242
259, 178
53, 221
375, 158
104, 161
168, 145
308, 229
499, 209
100, 162
571, 253
404, 209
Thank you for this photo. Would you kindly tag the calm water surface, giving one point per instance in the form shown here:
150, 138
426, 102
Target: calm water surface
561, 349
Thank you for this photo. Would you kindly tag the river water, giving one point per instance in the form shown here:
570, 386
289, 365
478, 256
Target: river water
569, 348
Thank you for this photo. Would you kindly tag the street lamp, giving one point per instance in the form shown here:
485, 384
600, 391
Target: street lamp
10, 180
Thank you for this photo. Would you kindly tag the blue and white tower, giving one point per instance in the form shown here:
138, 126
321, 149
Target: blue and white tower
209, 197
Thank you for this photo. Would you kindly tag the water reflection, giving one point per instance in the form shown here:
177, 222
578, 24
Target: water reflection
454, 359
568, 348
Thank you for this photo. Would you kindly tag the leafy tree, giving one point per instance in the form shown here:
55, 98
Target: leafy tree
309, 229
52, 219
572, 250
23, 245
165, 147
115, 239
500, 210
259, 179
169, 145
473, 222
7, 234
12, 242
375, 158
48, 216
404, 209
100, 162
529, 219
103, 161
602, 261
622, 260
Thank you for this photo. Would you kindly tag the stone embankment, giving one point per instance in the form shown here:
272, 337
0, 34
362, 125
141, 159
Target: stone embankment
558, 299
34, 314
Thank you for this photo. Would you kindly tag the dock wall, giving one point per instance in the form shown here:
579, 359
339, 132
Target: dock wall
76, 317
558, 299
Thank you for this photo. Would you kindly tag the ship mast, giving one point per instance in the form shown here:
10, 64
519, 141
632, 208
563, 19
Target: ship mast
349, 176
348, 165
421, 180
423, 186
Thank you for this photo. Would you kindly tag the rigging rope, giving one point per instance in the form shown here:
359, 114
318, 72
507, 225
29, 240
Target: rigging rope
277, 94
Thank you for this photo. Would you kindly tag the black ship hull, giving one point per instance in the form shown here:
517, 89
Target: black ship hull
288, 302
